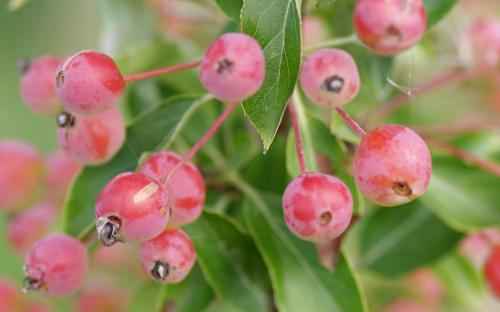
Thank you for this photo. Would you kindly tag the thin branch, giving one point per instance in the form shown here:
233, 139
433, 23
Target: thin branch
160, 71
466, 156
298, 137
351, 122
460, 128
335, 42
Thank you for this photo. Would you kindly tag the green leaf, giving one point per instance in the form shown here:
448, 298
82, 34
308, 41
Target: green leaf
462, 281
300, 283
230, 262
148, 132
275, 24
231, 8
437, 9
465, 197
410, 232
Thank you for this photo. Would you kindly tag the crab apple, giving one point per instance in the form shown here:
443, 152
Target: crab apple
313, 30
132, 206
233, 67
169, 257
405, 305
10, 299
38, 87
91, 139
89, 82
427, 285
183, 183
330, 78
392, 165
492, 271
475, 248
388, 27
101, 299
55, 265
317, 207
21, 170
60, 172
484, 40
30, 225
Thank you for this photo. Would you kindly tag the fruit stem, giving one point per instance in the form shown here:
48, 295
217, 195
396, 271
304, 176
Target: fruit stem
298, 138
466, 156
160, 71
210, 132
351, 122
335, 42
449, 77
460, 128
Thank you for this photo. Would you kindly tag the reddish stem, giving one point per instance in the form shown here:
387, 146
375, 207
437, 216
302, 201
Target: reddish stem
466, 156
298, 137
351, 122
210, 132
448, 78
160, 71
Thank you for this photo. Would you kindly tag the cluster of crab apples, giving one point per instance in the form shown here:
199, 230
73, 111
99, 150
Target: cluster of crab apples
392, 165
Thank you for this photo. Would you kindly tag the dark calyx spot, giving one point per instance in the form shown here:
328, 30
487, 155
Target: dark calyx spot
333, 84
31, 284
393, 33
160, 271
108, 230
60, 79
402, 188
65, 120
223, 65
325, 218
23, 65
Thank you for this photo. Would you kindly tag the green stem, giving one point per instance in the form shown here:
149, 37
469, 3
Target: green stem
161, 298
335, 42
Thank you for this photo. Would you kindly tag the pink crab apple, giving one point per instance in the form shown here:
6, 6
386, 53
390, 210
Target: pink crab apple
388, 27
427, 285
492, 271
55, 265
60, 172
38, 87
317, 207
233, 67
21, 170
392, 165
28, 226
183, 184
131, 207
330, 78
169, 257
406, 305
313, 29
91, 139
10, 297
484, 40
89, 82
101, 299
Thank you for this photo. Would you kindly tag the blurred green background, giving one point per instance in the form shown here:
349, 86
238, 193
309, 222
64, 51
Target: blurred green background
58, 27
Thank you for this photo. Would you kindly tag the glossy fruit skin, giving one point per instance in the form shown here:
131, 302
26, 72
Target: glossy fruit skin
484, 40
233, 67
330, 78
28, 226
89, 82
60, 172
21, 170
101, 299
92, 139
392, 165
172, 248
38, 88
185, 186
317, 207
388, 27
492, 271
59, 263
10, 299
138, 202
